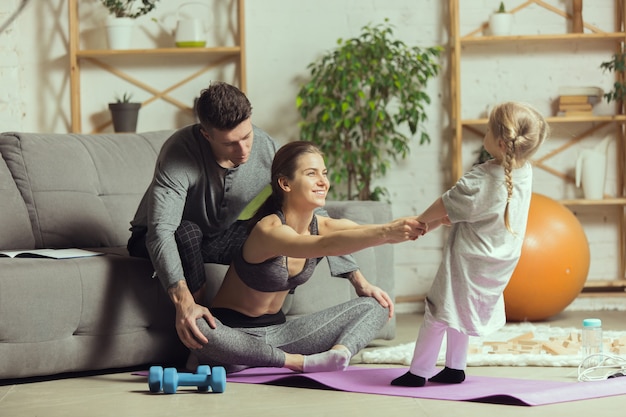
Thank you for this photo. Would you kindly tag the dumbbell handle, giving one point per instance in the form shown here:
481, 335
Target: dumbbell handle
190, 380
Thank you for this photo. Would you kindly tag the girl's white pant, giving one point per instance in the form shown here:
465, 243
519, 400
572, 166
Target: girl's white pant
428, 345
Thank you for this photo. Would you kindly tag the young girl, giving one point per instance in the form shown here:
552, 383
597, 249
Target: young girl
488, 210
286, 241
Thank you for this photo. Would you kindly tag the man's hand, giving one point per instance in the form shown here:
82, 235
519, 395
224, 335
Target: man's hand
364, 289
187, 312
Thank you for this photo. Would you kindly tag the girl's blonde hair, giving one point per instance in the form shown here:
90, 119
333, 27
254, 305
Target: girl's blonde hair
522, 129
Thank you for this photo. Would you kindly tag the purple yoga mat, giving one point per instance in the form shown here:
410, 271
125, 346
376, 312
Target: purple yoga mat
509, 391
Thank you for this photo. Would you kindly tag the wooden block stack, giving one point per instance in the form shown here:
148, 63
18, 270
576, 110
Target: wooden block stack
558, 345
572, 106
577, 101
618, 346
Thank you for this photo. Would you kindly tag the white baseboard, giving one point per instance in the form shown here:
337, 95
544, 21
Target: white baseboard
583, 303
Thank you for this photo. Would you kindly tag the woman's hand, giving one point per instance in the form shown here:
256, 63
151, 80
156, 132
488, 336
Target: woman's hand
364, 289
403, 229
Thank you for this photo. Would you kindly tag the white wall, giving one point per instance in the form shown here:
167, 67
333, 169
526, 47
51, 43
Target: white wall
283, 37
294, 34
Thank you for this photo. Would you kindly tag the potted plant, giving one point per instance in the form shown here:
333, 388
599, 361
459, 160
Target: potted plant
121, 19
124, 113
616, 65
500, 21
359, 97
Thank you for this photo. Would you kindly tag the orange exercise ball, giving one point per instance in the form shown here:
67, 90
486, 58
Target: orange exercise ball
553, 266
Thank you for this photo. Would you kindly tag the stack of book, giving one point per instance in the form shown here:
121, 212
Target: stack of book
577, 102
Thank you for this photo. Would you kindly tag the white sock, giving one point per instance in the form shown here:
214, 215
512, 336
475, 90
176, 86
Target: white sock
331, 360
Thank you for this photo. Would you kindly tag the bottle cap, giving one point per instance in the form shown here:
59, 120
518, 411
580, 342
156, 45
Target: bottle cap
592, 323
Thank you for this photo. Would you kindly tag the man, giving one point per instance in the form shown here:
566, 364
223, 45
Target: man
205, 176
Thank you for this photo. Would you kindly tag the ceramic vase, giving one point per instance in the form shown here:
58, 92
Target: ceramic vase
591, 174
500, 24
119, 32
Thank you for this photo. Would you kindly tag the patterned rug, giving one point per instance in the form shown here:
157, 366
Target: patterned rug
522, 344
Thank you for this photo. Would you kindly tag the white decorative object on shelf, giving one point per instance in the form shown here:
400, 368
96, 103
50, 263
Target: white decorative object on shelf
500, 22
591, 170
119, 32
120, 22
190, 30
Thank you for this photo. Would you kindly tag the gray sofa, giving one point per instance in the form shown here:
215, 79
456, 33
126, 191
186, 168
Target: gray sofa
102, 312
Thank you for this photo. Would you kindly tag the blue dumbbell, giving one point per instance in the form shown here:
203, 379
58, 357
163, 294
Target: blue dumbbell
169, 380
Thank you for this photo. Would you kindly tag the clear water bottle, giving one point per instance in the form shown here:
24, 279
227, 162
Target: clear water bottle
591, 340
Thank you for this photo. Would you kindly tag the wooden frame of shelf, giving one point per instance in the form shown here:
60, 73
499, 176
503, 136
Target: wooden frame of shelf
459, 125
619, 118
219, 51
568, 37
216, 57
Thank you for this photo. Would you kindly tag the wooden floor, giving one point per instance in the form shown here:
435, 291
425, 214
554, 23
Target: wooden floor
125, 395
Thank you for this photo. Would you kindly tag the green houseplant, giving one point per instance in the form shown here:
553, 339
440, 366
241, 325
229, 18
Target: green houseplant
616, 65
500, 21
122, 14
124, 113
359, 97
129, 8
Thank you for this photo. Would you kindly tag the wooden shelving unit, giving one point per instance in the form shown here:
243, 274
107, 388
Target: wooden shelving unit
459, 42
215, 57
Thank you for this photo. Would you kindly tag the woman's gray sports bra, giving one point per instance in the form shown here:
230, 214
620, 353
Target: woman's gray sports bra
272, 275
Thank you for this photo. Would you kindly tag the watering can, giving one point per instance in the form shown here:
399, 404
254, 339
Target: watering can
591, 170
191, 30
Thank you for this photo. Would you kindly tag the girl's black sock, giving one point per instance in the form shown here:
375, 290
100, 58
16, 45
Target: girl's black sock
449, 376
409, 380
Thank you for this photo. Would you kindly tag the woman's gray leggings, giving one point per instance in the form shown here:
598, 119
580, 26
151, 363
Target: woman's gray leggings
353, 324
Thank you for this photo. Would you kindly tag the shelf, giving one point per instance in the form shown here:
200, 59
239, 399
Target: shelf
214, 57
567, 37
618, 202
213, 52
578, 128
605, 284
556, 119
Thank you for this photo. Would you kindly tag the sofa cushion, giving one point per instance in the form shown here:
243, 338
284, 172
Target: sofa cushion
83, 314
379, 259
81, 190
14, 224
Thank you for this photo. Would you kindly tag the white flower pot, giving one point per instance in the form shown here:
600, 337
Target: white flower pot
119, 32
500, 24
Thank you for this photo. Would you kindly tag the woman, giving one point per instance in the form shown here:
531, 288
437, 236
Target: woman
285, 244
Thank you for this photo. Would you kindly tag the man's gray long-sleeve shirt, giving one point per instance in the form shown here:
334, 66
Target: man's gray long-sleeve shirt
189, 184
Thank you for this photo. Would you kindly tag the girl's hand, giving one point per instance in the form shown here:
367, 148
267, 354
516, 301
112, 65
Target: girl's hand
403, 229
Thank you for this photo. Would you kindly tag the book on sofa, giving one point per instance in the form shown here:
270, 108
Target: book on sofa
49, 253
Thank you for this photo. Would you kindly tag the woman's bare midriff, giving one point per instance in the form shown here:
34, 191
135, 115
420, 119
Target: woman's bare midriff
236, 295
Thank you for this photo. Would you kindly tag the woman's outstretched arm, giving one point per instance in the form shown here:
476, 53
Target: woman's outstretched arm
271, 238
